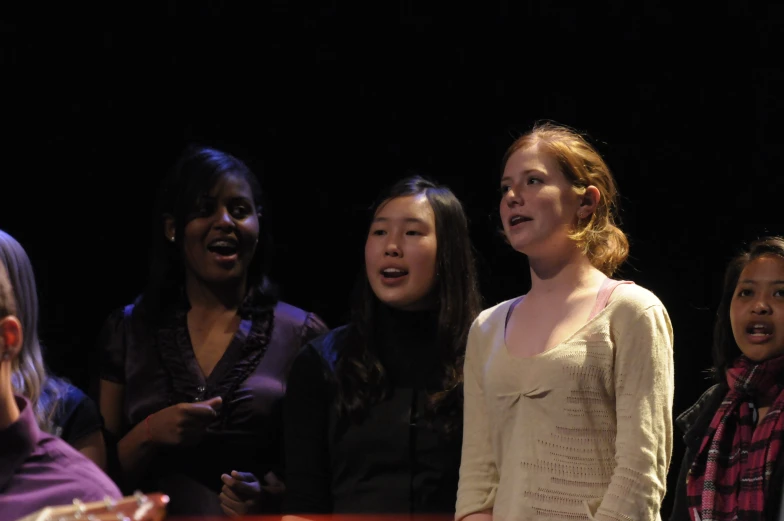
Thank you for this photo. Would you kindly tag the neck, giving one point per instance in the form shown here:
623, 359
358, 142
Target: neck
562, 273
406, 345
9, 411
214, 298
400, 317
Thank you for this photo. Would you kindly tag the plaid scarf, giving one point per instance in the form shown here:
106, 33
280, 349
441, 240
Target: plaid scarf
730, 475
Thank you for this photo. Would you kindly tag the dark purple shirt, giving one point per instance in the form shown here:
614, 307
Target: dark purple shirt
159, 370
38, 470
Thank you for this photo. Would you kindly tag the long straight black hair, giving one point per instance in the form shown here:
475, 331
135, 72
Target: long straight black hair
359, 373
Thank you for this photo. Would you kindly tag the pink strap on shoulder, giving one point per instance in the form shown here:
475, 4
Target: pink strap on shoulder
608, 286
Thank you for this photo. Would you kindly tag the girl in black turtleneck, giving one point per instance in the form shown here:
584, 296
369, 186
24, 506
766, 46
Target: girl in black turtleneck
373, 409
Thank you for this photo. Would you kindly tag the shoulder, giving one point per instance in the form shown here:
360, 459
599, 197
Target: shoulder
634, 312
118, 316
634, 299
119, 320
115, 339
76, 414
327, 346
70, 398
315, 363
706, 405
294, 316
486, 329
289, 315
299, 323
493, 317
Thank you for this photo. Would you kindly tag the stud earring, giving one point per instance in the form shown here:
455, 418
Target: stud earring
171, 239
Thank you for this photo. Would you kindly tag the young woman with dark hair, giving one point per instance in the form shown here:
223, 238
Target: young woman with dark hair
194, 372
733, 466
373, 411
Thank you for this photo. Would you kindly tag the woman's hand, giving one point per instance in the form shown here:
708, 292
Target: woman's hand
184, 423
241, 493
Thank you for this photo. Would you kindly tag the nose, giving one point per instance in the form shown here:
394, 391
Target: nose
513, 197
761, 307
224, 220
392, 247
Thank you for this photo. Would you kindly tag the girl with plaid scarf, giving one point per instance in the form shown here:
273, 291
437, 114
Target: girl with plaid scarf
731, 469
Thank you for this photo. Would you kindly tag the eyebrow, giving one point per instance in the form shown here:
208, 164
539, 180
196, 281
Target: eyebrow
232, 198
749, 281
407, 219
525, 172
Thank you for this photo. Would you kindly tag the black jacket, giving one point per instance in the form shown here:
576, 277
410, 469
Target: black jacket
694, 422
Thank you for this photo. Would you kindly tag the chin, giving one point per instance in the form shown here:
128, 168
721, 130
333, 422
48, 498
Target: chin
522, 242
758, 356
402, 306
523, 247
224, 278
393, 302
417, 303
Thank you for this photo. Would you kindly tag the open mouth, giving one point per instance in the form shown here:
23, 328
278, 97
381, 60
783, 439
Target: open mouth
393, 273
517, 219
223, 247
759, 330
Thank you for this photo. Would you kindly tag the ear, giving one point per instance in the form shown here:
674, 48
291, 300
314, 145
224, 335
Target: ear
169, 228
10, 338
589, 201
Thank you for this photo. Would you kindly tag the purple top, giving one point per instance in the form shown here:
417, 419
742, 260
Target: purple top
38, 470
159, 369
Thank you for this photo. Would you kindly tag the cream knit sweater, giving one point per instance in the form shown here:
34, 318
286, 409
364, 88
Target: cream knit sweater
580, 431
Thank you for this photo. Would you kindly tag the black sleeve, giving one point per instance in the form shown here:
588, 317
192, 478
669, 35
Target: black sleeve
306, 408
112, 346
680, 507
77, 416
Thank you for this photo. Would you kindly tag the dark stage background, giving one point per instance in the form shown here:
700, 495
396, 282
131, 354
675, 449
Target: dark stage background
330, 102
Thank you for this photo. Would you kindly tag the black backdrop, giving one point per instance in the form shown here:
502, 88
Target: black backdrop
330, 102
